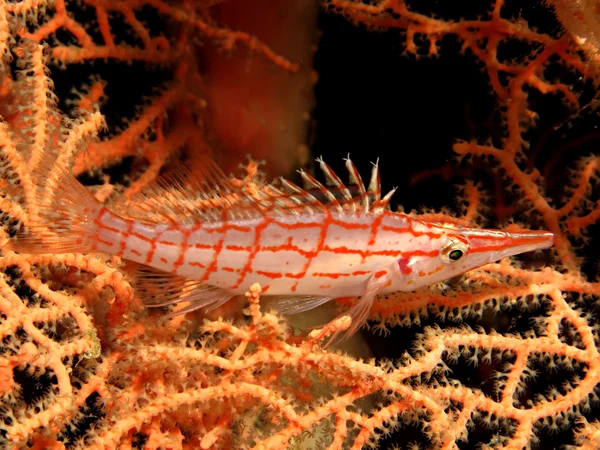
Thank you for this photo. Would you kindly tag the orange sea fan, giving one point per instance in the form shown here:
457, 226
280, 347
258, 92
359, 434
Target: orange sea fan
511, 347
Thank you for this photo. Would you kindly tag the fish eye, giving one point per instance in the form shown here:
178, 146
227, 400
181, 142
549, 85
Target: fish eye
454, 251
455, 255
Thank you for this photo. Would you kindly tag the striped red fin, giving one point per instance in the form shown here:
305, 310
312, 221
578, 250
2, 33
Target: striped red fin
335, 183
336, 195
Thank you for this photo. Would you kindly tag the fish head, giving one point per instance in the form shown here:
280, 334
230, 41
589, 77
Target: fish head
455, 250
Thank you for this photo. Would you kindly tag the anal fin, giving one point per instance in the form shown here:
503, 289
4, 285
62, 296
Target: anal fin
295, 304
156, 288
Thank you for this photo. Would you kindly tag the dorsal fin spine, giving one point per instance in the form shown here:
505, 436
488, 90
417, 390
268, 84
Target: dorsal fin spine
381, 204
334, 181
332, 201
300, 195
356, 180
375, 183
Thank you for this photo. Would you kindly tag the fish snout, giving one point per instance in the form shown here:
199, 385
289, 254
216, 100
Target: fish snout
536, 239
529, 241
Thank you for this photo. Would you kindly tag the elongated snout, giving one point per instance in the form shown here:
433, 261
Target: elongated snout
529, 241
536, 239
493, 245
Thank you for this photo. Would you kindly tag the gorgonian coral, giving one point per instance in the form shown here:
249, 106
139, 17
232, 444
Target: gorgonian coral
82, 365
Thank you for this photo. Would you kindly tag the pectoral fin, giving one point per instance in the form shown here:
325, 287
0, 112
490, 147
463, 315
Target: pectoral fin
360, 311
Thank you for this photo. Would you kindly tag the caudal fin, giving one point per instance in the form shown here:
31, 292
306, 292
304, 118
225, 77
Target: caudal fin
61, 214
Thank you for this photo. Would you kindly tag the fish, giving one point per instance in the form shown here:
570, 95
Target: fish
199, 237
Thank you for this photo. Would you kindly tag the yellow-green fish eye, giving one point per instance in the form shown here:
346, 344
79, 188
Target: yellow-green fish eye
455, 255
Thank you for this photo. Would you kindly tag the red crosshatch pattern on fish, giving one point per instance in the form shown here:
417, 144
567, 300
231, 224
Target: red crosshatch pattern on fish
203, 239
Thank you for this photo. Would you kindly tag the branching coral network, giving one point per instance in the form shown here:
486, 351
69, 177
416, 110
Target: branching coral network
83, 365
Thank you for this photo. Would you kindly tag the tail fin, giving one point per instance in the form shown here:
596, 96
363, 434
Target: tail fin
62, 213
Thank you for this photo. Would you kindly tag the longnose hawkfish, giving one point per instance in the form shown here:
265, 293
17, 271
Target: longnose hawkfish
203, 239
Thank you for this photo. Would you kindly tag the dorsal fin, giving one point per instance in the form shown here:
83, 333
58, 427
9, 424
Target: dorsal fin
333, 181
205, 194
297, 198
354, 196
312, 183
